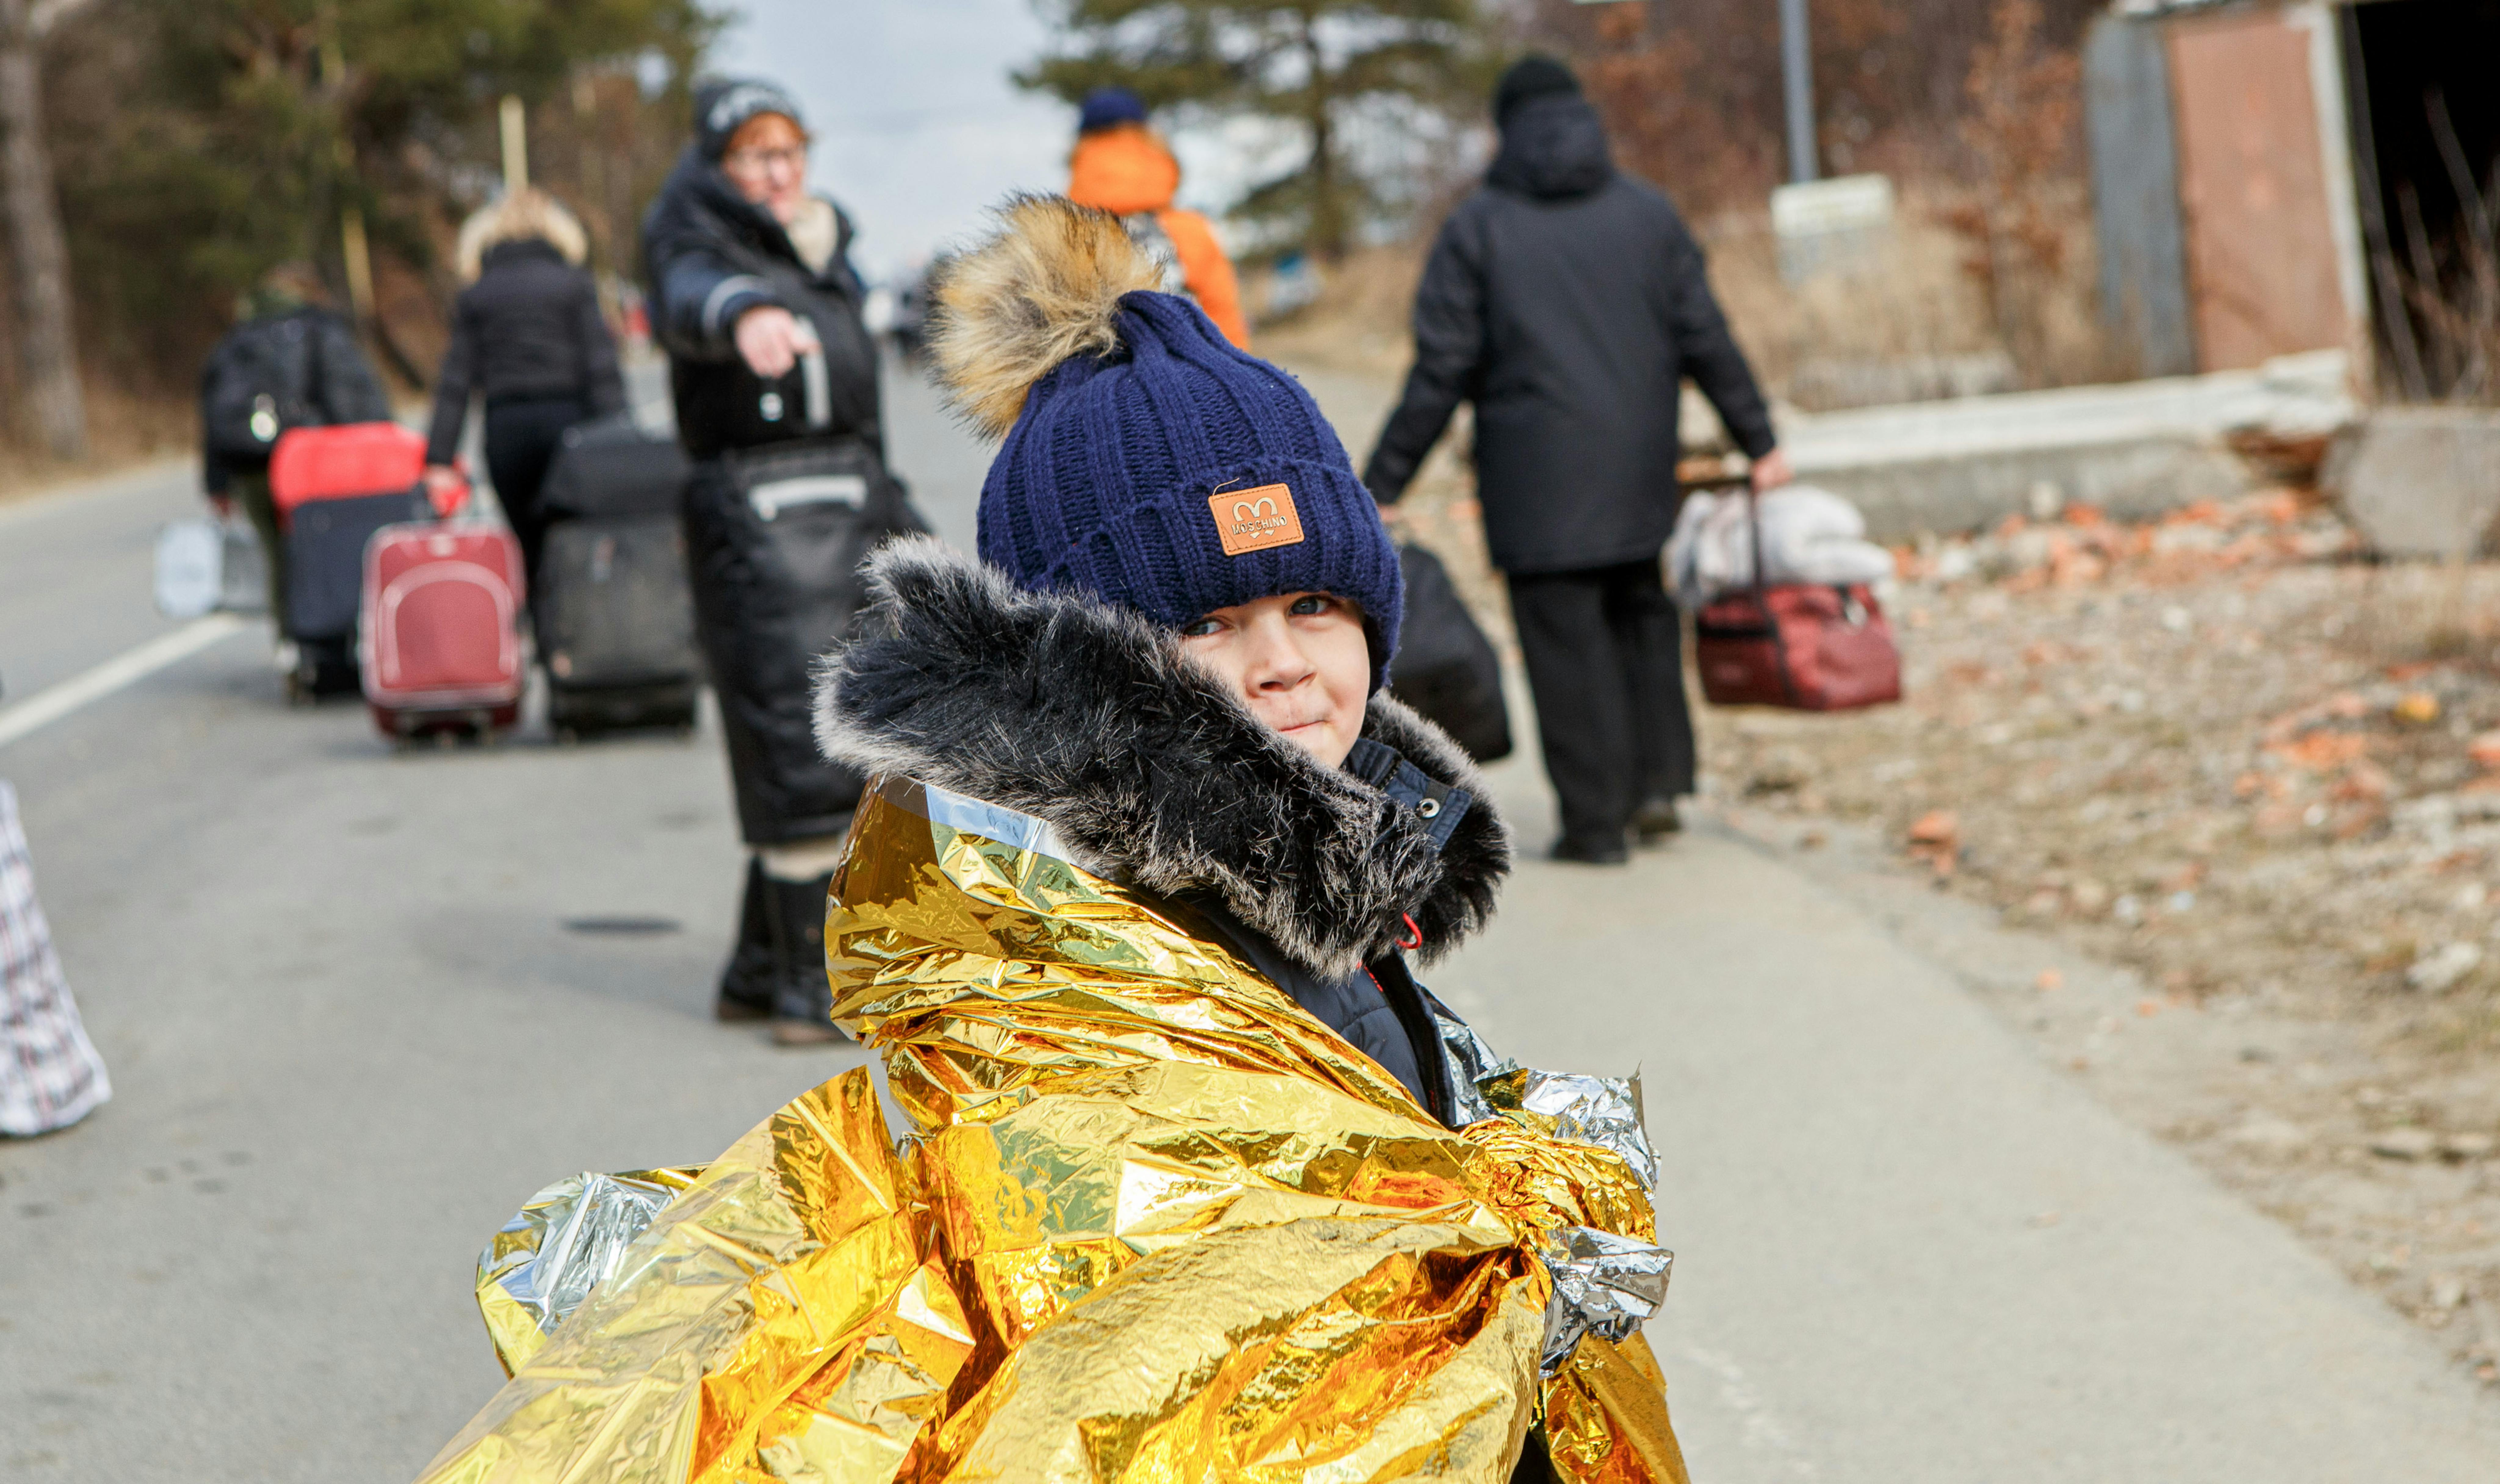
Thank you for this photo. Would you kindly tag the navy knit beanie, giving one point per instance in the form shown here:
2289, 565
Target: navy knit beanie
1108, 107
1147, 460
722, 103
1530, 77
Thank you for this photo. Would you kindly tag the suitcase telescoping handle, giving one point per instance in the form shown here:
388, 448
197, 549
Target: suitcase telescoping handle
820, 389
1761, 589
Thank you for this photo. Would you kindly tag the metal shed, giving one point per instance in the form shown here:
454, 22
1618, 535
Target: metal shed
2278, 176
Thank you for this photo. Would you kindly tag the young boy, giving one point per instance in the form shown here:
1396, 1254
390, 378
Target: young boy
1195, 1182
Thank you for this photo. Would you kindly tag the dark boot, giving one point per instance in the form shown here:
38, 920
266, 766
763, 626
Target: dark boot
326, 667
747, 982
1599, 850
1656, 820
802, 1001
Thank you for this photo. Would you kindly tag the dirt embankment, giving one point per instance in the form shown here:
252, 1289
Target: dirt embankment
2226, 753
2221, 751
123, 433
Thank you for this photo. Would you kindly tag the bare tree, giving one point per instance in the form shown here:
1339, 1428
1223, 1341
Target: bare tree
47, 349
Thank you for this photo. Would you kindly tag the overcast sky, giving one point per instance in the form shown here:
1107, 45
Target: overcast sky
917, 126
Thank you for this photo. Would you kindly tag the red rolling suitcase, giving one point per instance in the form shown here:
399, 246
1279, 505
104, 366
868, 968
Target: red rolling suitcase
441, 641
348, 461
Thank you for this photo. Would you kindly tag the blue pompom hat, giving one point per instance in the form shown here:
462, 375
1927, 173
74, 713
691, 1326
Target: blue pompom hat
1108, 107
1146, 459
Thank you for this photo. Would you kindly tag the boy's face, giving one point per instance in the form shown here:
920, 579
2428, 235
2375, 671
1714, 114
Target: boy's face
1300, 663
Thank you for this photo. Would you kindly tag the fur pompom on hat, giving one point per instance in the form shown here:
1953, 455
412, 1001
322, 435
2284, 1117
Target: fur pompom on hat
1045, 288
1146, 460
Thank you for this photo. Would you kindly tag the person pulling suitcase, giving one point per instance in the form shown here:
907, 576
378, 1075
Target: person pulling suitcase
1568, 301
774, 377
293, 362
528, 338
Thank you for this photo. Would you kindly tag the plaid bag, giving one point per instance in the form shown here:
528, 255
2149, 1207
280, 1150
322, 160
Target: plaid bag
50, 1074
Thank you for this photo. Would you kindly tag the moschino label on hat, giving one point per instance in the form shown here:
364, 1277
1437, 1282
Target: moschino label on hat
1255, 520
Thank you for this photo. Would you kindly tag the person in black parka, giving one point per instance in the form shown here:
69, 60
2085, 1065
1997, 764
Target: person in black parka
291, 361
526, 333
1568, 302
750, 275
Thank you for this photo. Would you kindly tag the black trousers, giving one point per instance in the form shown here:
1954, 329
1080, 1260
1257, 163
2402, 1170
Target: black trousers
1605, 662
522, 437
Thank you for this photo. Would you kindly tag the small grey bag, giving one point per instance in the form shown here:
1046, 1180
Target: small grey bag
204, 564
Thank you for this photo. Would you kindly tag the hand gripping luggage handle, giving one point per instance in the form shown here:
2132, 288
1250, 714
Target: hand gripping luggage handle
461, 500
816, 384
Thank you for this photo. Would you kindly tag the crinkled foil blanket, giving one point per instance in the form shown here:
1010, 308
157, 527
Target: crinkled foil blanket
1146, 1222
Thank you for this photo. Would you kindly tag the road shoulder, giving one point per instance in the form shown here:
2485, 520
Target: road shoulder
1898, 1224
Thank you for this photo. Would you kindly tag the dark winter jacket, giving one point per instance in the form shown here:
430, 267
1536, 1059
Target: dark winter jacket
1090, 719
529, 328
320, 372
1379, 1008
1567, 302
710, 256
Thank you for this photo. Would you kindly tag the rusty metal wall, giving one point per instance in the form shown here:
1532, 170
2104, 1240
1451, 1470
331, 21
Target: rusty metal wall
2261, 264
2135, 195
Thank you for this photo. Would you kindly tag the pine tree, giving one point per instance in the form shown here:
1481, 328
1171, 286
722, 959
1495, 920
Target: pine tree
197, 144
1314, 66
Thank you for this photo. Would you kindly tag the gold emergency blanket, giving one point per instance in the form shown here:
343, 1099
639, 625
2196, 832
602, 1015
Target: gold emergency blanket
1148, 1222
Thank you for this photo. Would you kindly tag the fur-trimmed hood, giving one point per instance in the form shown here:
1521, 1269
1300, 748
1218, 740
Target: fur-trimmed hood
1091, 719
527, 216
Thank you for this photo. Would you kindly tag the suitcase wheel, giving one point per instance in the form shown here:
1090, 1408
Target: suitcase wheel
445, 728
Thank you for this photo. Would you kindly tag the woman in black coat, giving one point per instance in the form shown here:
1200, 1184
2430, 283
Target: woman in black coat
774, 377
527, 332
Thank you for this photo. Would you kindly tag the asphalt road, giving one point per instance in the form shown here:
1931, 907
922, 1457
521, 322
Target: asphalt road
350, 1030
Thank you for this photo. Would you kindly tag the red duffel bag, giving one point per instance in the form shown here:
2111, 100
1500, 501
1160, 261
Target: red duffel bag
1803, 647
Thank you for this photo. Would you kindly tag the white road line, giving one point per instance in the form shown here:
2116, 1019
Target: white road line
43, 502
122, 670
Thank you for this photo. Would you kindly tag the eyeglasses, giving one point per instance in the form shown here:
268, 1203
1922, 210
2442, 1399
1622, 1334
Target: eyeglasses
756, 162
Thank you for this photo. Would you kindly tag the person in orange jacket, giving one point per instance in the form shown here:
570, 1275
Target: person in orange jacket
1123, 167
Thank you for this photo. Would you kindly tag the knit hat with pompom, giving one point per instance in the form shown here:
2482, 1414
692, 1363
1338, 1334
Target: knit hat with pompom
1146, 460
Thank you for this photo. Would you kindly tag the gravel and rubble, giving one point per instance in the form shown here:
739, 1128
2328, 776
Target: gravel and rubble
2225, 752
2222, 796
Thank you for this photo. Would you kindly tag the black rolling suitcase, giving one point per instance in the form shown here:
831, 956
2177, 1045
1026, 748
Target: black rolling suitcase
777, 537
1446, 669
325, 563
615, 622
820, 507
809, 511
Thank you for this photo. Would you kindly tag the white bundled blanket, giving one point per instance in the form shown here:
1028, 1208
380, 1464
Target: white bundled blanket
50, 1075
1809, 535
